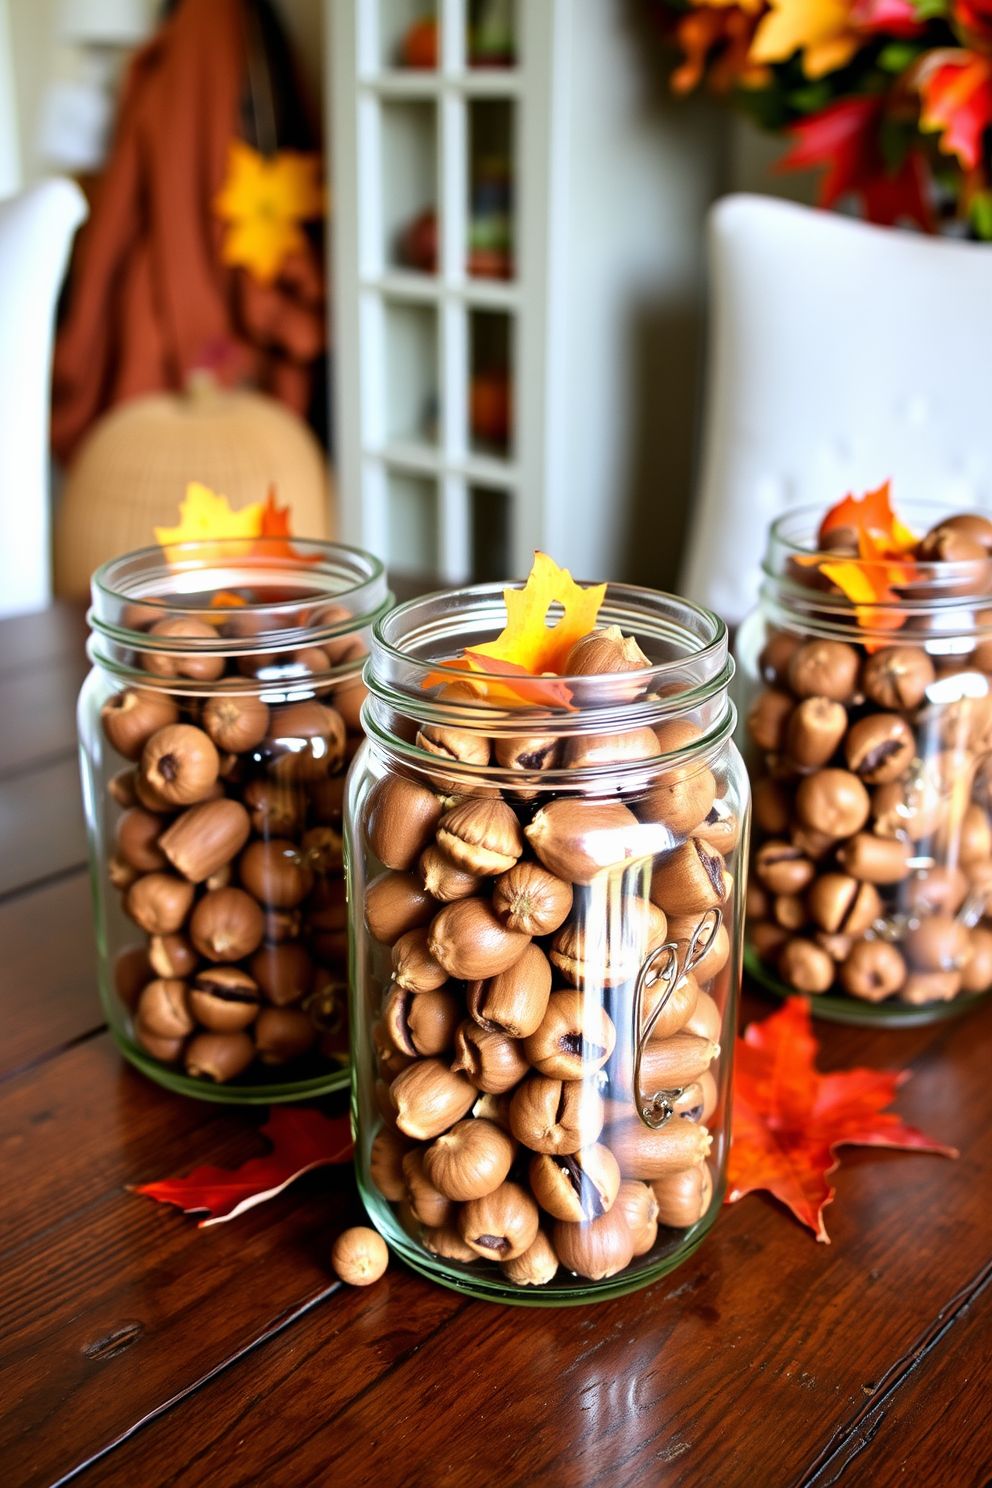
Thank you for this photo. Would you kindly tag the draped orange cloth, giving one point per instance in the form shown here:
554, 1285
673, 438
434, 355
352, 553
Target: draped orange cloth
150, 299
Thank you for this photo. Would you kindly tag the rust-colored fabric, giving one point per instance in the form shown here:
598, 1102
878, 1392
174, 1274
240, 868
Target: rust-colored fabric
150, 299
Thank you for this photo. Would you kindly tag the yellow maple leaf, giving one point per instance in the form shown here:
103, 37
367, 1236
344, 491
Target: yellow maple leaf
527, 640
263, 201
204, 515
820, 29
523, 663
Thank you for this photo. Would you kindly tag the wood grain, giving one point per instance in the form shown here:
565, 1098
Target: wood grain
755, 1352
32, 642
48, 986
38, 714
899, 1431
41, 824
113, 1304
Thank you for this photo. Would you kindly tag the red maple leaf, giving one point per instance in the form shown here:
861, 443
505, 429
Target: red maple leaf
894, 17
956, 89
844, 138
301, 1140
789, 1119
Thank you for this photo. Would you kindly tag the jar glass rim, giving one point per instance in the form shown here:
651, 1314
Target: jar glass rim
409, 644
324, 591
140, 576
793, 535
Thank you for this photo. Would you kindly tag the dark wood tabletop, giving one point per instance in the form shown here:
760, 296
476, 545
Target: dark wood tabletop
136, 1349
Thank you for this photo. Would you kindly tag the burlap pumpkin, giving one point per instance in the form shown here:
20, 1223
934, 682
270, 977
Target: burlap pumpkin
133, 467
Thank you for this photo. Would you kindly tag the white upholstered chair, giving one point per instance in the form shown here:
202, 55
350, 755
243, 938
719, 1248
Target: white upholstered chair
36, 231
839, 355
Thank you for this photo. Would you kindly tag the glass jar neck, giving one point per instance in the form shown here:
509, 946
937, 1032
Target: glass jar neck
415, 681
944, 607
269, 597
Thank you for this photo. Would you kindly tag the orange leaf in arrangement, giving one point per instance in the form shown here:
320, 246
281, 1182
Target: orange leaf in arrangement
788, 1119
868, 580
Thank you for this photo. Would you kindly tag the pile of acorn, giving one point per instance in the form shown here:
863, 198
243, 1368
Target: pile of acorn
872, 851
229, 859
509, 928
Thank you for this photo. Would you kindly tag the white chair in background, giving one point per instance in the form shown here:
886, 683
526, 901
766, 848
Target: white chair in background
36, 232
839, 355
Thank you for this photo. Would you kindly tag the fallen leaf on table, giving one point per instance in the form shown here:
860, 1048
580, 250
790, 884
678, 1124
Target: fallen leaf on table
301, 1140
789, 1119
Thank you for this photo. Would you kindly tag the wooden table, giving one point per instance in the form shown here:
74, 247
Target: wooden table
137, 1350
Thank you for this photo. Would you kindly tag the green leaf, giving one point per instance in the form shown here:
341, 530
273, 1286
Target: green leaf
981, 214
811, 99
931, 10
898, 55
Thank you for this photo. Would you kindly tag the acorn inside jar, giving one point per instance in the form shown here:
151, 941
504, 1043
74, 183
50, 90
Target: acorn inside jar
545, 974
217, 727
866, 700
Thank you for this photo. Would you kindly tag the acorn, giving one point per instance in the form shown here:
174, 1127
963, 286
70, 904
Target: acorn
191, 662
429, 1098
502, 1224
159, 902
469, 1161
536, 1267
481, 836
595, 1248
400, 820
513, 1002
205, 838
236, 721
577, 839
395, 903
218, 1056
131, 717
226, 925
428, 1204
683, 1197
637, 1202
556, 1116
441, 879
605, 652
423, 1022
282, 1034
273, 872
492, 1061
529, 898
575, 1038
469, 941
224, 999
415, 968
180, 763
164, 1009
575, 1186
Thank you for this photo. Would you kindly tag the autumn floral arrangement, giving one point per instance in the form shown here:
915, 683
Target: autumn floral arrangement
893, 98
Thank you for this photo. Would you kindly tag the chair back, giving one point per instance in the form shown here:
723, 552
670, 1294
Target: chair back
839, 355
36, 232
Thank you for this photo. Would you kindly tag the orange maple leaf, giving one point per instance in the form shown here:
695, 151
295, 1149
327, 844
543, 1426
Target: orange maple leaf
788, 1119
868, 580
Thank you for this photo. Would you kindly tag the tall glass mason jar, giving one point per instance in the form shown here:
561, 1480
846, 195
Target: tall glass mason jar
216, 728
867, 731
547, 921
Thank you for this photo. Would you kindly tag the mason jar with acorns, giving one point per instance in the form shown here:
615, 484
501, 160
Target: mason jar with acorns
216, 728
866, 719
545, 836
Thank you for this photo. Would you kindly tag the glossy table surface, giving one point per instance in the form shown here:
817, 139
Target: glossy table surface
138, 1350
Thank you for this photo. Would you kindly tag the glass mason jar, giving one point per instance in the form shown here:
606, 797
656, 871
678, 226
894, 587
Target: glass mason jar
547, 916
216, 727
867, 733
